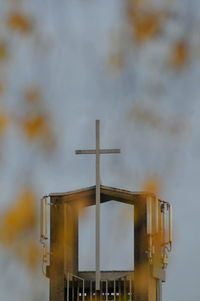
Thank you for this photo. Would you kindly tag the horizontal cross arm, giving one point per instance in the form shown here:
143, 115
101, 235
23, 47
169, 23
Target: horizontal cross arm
85, 152
109, 151
93, 151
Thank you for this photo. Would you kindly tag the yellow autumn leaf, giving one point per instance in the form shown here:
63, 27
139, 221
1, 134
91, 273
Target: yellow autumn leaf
33, 255
179, 54
38, 128
3, 123
20, 22
35, 127
3, 51
21, 217
146, 27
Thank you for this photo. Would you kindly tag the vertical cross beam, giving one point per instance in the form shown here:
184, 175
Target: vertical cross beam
97, 205
98, 152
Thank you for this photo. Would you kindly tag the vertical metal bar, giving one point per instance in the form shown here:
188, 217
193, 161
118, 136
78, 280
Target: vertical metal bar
43, 227
97, 205
156, 214
90, 290
78, 290
164, 224
106, 290
114, 290
101, 293
72, 288
158, 290
41, 218
83, 297
46, 248
149, 226
130, 290
149, 216
120, 297
46, 216
170, 224
125, 297
133, 291
68, 287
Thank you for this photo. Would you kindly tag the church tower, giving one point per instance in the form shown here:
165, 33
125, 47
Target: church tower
152, 241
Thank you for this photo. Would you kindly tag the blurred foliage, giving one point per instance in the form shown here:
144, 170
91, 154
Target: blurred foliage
29, 252
18, 228
18, 225
144, 25
32, 95
179, 54
3, 51
155, 120
152, 184
38, 129
19, 219
4, 120
32, 119
20, 22
35, 126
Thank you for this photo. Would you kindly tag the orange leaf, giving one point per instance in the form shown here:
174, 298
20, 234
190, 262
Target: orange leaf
3, 52
19, 218
18, 22
179, 54
38, 128
35, 127
3, 123
144, 25
33, 255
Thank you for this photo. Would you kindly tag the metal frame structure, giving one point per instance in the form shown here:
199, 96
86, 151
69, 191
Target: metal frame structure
152, 241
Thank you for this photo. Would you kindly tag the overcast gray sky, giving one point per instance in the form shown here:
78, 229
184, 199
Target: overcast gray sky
147, 108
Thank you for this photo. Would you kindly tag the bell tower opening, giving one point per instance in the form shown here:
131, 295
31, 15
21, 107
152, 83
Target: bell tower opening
116, 237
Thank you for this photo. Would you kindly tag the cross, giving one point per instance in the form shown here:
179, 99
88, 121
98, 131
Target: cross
98, 152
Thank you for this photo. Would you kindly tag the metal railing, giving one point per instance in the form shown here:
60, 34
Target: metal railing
75, 291
79, 289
